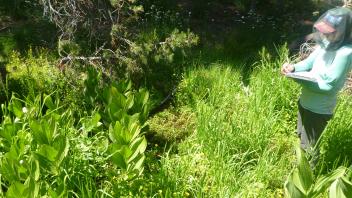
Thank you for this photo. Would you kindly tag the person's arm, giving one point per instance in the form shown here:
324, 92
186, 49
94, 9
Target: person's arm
327, 80
304, 65
307, 63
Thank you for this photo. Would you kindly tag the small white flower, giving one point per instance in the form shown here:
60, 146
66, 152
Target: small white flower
24, 110
21, 161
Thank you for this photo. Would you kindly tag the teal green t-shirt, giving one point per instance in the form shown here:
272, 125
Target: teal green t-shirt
330, 68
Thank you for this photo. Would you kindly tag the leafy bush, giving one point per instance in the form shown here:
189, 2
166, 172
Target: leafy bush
265, 7
157, 56
29, 75
44, 151
7, 45
36, 73
127, 45
19, 8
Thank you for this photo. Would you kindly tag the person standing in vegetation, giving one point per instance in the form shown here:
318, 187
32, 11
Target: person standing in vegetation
329, 63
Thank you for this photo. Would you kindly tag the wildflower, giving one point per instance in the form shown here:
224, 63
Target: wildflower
24, 110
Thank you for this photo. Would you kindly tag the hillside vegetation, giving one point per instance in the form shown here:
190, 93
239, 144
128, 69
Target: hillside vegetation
150, 98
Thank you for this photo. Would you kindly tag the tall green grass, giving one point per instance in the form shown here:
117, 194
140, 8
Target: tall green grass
336, 142
244, 136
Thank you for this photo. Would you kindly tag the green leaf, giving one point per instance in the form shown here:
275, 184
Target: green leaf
291, 189
123, 86
117, 98
52, 193
15, 107
144, 114
9, 169
106, 96
57, 117
341, 188
129, 102
139, 163
119, 161
144, 95
126, 152
48, 101
117, 115
323, 182
138, 146
90, 123
300, 180
120, 155
49, 152
62, 145
17, 149
47, 155
115, 133
134, 130
60, 191
16, 190
45, 163
38, 132
8, 131
33, 187
132, 119
36, 170
43, 131
304, 179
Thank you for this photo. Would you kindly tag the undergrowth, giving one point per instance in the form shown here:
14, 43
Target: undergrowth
244, 136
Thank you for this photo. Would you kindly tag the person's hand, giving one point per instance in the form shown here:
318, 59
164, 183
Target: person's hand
287, 68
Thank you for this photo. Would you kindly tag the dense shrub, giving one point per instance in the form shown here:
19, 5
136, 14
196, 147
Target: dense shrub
19, 9
38, 72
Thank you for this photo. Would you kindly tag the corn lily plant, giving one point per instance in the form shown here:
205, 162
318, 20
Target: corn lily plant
301, 183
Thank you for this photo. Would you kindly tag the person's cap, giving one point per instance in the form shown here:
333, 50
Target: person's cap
328, 24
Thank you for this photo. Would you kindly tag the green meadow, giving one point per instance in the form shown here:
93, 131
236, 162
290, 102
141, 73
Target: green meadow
164, 99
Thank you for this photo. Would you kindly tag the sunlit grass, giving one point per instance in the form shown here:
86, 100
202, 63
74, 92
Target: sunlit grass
244, 136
